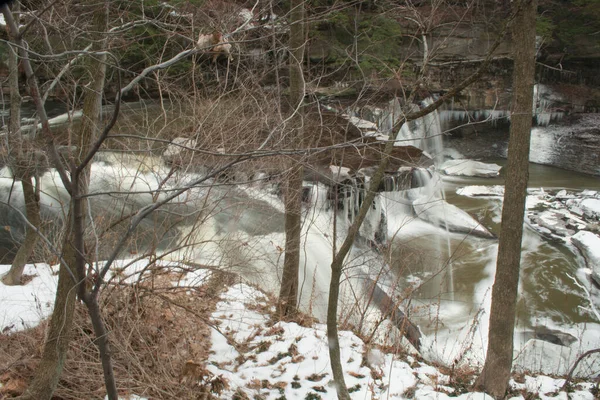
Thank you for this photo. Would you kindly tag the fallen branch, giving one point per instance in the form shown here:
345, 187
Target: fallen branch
565, 386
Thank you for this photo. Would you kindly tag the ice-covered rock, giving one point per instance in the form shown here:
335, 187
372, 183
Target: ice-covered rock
589, 245
480, 190
440, 213
591, 207
465, 167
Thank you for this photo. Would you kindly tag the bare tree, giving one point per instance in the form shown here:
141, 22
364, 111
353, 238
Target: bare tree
498, 363
337, 265
23, 164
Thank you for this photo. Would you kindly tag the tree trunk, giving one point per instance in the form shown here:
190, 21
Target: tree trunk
287, 304
53, 357
495, 375
14, 127
90, 129
54, 354
32, 207
17, 163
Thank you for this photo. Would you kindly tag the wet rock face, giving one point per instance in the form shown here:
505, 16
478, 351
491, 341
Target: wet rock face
575, 146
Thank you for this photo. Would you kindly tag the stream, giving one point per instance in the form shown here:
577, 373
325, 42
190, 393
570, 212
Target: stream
442, 278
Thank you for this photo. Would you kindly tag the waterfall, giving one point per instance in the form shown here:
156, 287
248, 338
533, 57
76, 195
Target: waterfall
240, 227
426, 134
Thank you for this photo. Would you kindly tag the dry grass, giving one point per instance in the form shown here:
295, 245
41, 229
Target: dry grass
160, 339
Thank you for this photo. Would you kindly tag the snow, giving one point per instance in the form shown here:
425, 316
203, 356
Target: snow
465, 167
339, 173
591, 207
479, 190
255, 356
23, 307
286, 360
591, 242
362, 124
443, 214
544, 357
177, 146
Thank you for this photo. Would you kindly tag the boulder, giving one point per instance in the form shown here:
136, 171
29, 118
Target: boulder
588, 244
465, 167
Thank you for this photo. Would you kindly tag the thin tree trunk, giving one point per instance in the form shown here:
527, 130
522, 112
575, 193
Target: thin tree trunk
92, 110
287, 304
103, 346
14, 127
495, 375
32, 208
18, 163
53, 357
57, 341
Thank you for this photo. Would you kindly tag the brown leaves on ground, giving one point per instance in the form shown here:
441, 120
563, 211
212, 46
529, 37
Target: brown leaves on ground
159, 337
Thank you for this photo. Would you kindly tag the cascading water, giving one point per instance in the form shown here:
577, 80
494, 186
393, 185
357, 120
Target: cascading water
240, 227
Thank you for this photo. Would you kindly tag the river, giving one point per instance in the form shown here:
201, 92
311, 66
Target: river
445, 277
454, 314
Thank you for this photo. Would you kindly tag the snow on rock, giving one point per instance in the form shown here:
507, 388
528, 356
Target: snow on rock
480, 190
339, 173
554, 214
443, 214
362, 124
178, 146
465, 167
25, 306
589, 245
591, 207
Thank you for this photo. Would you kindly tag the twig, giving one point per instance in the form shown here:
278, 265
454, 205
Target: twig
565, 386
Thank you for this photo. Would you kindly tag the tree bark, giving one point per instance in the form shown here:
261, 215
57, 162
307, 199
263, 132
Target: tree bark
20, 169
32, 211
495, 375
53, 357
287, 304
90, 129
57, 341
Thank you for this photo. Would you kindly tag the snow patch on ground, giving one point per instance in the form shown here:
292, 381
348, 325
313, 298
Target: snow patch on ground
25, 306
286, 360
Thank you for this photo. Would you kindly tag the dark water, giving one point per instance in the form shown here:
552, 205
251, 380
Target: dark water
548, 297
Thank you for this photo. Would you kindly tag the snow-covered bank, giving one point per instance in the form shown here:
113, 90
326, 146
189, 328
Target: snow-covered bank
289, 361
253, 356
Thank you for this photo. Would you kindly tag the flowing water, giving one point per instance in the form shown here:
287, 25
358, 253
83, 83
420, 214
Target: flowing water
442, 276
